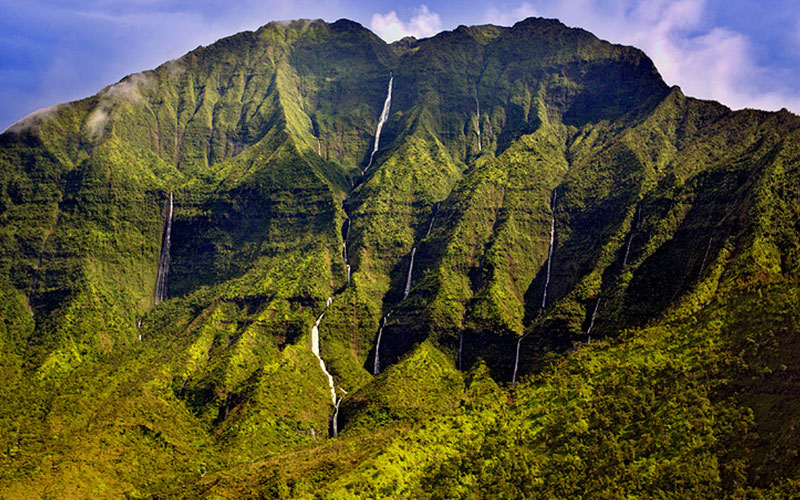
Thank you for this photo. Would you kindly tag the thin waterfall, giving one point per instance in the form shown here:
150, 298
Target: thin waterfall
349, 273
410, 269
183, 387
315, 349
163, 262
346, 233
591, 322
550, 251
634, 227
387, 104
319, 147
478, 120
627, 251
335, 417
335, 420
376, 368
433, 218
708, 249
516, 363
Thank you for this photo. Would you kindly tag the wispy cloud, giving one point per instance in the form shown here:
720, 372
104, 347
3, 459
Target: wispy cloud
390, 27
706, 61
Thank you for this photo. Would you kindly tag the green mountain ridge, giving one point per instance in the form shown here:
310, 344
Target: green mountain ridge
648, 351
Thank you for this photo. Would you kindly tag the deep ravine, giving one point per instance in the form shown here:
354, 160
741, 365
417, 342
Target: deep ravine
547, 278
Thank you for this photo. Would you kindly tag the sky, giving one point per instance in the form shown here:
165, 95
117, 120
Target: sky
743, 53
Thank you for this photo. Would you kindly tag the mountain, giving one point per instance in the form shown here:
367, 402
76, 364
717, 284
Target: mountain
494, 263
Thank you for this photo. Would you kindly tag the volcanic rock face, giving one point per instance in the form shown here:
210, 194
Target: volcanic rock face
467, 200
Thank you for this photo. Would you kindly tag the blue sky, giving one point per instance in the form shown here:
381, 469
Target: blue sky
744, 53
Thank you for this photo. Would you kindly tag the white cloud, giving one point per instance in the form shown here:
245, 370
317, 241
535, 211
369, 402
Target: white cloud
706, 61
390, 27
504, 17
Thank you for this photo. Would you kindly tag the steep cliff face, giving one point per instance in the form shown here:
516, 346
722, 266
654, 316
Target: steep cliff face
546, 186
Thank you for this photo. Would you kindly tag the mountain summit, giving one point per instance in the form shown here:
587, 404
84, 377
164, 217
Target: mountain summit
304, 263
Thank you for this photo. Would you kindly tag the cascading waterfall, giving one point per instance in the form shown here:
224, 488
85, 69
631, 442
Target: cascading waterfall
705, 257
315, 349
591, 322
319, 147
410, 269
183, 387
335, 420
387, 104
516, 363
550, 251
478, 120
433, 218
335, 417
346, 232
627, 250
376, 368
163, 262
634, 227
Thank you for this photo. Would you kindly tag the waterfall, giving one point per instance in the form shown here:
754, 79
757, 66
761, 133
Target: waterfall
703, 264
335, 420
163, 262
387, 104
516, 363
433, 218
315, 349
634, 227
478, 120
376, 368
591, 322
319, 147
183, 387
345, 234
410, 269
550, 251
335, 417
627, 250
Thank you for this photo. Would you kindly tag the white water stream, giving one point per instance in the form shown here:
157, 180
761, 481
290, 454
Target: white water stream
591, 322
376, 368
387, 104
410, 269
315, 349
550, 251
516, 363
433, 218
163, 261
478, 120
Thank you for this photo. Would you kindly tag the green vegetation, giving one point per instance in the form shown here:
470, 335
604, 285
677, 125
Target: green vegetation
678, 215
